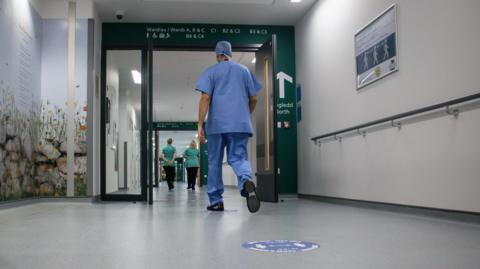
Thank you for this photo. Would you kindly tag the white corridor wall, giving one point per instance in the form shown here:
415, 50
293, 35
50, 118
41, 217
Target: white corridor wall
432, 163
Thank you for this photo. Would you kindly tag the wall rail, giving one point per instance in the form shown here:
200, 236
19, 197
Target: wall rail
392, 119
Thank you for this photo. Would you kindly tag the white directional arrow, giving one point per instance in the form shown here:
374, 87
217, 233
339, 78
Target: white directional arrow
282, 77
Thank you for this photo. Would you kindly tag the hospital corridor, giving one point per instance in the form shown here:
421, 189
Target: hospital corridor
239, 134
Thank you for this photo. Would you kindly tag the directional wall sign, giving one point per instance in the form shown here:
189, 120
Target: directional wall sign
281, 79
280, 246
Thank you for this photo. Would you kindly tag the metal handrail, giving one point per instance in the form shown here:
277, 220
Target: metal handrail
402, 115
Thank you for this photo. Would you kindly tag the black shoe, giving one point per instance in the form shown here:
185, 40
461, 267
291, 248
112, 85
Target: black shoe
193, 188
253, 203
215, 207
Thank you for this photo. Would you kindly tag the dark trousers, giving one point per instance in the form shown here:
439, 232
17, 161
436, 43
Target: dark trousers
170, 175
192, 176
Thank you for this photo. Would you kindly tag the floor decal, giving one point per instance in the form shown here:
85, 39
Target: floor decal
280, 246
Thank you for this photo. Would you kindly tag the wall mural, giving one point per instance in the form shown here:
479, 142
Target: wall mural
33, 88
33, 150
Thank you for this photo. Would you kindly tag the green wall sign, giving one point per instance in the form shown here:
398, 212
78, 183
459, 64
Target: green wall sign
205, 36
175, 126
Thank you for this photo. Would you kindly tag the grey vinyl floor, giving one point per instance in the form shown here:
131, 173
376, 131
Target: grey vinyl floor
177, 232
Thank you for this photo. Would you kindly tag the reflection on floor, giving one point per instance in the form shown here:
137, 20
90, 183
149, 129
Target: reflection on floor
138, 191
177, 232
129, 191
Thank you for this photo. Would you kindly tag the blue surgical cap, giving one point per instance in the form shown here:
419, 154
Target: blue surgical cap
223, 48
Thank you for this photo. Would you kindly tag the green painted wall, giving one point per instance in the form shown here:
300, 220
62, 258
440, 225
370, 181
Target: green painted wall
137, 34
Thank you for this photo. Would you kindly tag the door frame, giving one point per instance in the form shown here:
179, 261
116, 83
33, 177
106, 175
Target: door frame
147, 102
156, 128
143, 154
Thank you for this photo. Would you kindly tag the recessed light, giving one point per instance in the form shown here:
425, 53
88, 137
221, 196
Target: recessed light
137, 77
295, 1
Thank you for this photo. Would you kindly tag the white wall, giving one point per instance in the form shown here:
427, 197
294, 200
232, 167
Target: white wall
113, 84
59, 9
128, 127
54, 61
433, 163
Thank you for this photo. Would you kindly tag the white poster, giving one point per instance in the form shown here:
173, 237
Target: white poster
376, 48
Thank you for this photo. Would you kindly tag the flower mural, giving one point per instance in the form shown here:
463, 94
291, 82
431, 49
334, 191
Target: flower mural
33, 149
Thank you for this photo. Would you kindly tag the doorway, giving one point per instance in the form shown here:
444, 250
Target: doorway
158, 86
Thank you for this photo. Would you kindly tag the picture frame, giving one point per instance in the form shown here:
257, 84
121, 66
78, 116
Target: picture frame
376, 49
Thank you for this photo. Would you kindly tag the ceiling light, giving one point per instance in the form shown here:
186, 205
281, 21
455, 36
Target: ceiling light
137, 77
254, 60
295, 1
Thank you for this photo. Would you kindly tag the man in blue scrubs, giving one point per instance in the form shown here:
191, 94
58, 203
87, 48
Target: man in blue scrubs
229, 92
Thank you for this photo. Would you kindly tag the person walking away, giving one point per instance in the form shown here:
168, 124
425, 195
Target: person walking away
191, 155
169, 154
228, 93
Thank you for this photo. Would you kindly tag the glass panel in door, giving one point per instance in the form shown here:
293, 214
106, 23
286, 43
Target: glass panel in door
123, 96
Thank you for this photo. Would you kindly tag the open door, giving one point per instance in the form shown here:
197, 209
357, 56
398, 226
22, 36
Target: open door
265, 122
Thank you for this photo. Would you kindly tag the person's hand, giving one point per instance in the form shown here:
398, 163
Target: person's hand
201, 134
170, 162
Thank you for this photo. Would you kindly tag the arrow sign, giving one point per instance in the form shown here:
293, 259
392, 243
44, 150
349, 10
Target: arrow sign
282, 77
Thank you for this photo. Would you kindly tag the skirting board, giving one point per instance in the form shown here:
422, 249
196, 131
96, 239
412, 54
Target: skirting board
473, 217
36, 200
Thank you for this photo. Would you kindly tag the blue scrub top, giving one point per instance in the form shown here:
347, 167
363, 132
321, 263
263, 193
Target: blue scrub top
229, 85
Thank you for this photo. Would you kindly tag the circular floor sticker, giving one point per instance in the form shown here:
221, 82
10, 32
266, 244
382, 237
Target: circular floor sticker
280, 246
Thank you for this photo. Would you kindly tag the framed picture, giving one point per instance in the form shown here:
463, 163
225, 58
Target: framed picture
376, 48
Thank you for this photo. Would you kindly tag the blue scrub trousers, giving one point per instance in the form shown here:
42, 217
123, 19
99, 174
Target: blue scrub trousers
237, 158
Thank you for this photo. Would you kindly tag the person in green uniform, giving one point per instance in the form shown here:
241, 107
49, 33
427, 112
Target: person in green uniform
191, 163
169, 153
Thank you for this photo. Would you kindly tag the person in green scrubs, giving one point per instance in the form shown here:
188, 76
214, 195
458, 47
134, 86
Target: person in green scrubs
191, 155
169, 153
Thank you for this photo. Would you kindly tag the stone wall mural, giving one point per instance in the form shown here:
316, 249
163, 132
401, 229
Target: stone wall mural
33, 92
33, 149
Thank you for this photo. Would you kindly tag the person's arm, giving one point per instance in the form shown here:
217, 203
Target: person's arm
252, 103
202, 113
253, 87
174, 156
